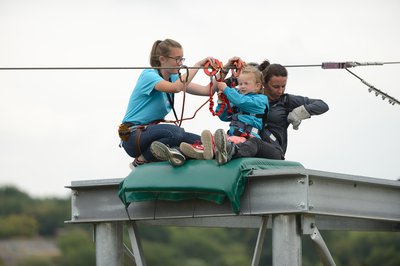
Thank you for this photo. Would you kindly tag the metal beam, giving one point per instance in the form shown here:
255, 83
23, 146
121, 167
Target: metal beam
339, 202
297, 199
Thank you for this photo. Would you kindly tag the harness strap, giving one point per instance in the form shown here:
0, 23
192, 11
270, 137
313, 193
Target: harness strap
255, 115
171, 97
235, 110
126, 128
236, 124
137, 139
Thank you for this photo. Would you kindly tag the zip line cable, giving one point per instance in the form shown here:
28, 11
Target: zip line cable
325, 65
371, 88
347, 65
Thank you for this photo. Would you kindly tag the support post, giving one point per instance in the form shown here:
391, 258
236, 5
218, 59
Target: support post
109, 244
286, 240
260, 241
322, 249
136, 244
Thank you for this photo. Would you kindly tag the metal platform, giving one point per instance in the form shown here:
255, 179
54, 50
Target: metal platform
291, 201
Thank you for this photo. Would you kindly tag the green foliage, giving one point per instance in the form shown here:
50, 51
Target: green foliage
37, 261
154, 233
198, 246
366, 248
12, 201
18, 225
77, 248
50, 214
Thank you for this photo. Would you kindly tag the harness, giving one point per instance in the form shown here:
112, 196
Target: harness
248, 130
125, 130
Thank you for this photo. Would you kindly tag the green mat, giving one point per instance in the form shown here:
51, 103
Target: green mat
196, 179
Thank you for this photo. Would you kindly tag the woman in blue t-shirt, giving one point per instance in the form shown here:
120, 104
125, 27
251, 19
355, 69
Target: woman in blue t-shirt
143, 136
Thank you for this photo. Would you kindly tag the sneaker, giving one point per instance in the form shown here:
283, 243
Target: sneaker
164, 153
224, 149
207, 140
194, 151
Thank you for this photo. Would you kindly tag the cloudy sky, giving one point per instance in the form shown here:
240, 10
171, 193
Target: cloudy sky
57, 126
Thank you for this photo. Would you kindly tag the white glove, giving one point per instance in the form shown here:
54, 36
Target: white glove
298, 114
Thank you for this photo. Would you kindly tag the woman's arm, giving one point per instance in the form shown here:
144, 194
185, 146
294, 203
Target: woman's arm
313, 106
198, 89
177, 86
301, 108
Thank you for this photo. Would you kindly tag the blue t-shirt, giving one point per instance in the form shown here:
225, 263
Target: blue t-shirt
147, 104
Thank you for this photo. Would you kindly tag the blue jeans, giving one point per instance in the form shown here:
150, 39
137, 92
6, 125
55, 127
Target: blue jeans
168, 134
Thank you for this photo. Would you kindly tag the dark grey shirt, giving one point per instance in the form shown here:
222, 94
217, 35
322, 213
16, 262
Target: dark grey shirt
277, 123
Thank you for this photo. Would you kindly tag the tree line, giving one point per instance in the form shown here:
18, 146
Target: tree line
22, 216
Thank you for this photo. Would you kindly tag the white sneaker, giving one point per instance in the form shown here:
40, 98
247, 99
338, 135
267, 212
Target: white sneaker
195, 151
164, 153
224, 149
207, 140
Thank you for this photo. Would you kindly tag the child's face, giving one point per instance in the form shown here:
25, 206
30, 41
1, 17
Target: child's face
248, 84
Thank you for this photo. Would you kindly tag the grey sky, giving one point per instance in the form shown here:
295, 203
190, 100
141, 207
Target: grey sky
59, 126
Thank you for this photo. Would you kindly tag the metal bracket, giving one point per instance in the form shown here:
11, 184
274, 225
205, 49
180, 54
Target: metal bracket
309, 228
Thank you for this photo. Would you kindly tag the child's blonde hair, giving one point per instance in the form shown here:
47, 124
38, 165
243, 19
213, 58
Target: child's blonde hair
257, 74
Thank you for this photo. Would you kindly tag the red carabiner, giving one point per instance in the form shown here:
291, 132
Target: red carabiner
239, 64
214, 68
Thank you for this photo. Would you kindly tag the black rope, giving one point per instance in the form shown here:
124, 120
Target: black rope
187, 74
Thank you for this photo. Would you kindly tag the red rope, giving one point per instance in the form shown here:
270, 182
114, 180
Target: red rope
224, 103
211, 71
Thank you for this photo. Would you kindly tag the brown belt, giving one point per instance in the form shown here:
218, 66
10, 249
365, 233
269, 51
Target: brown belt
125, 129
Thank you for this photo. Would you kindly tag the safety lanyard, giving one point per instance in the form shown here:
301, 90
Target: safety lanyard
170, 96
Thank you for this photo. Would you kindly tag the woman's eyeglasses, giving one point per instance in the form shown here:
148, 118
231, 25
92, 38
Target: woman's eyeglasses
177, 59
